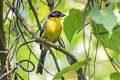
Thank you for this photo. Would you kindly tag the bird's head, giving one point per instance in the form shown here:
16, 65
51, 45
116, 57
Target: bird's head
56, 14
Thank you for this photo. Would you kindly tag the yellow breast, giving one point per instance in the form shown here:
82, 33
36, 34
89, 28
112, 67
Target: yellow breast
53, 29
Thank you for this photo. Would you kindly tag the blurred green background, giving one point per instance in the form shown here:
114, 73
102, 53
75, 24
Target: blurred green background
103, 67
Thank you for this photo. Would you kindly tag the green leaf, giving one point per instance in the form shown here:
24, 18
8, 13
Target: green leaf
103, 35
115, 76
70, 68
72, 23
105, 17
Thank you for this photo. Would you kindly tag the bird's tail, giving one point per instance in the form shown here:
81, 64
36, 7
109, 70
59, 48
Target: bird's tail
41, 61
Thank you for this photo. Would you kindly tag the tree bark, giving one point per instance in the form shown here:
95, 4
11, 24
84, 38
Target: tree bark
2, 38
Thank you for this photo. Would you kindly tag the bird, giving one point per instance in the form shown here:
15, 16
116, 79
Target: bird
50, 31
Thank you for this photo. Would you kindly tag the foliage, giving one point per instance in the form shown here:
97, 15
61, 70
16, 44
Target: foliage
91, 28
72, 23
115, 76
71, 68
105, 17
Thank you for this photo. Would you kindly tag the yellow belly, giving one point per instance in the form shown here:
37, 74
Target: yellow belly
52, 30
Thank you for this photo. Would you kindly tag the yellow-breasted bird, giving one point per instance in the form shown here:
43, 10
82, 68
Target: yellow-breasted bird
50, 31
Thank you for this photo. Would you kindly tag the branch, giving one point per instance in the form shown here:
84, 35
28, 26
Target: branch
3, 52
19, 64
56, 4
5, 74
2, 38
57, 47
85, 50
106, 32
56, 63
95, 59
50, 4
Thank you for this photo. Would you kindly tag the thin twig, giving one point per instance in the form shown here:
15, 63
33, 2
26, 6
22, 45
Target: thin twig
88, 50
15, 68
95, 60
8, 56
28, 65
5, 74
89, 43
19, 76
26, 70
56, 4
84, 26
15, 54
86, 54
111, 60
106, 32
56, 63
50, 4
6, 16
92, 2
15, 44
5, 52
16, 38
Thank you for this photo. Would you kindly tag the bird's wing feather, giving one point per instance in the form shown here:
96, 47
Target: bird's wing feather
43, 28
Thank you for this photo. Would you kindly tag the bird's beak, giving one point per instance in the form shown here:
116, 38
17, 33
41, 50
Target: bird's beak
62, 15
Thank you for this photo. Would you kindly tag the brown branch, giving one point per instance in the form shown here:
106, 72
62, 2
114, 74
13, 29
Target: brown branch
57, 47
55, 60
2, 38
5, 74
3, 52
56, 63
26, 70
15, 69
50, 4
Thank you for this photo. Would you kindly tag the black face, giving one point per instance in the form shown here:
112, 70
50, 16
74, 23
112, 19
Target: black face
56, 14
